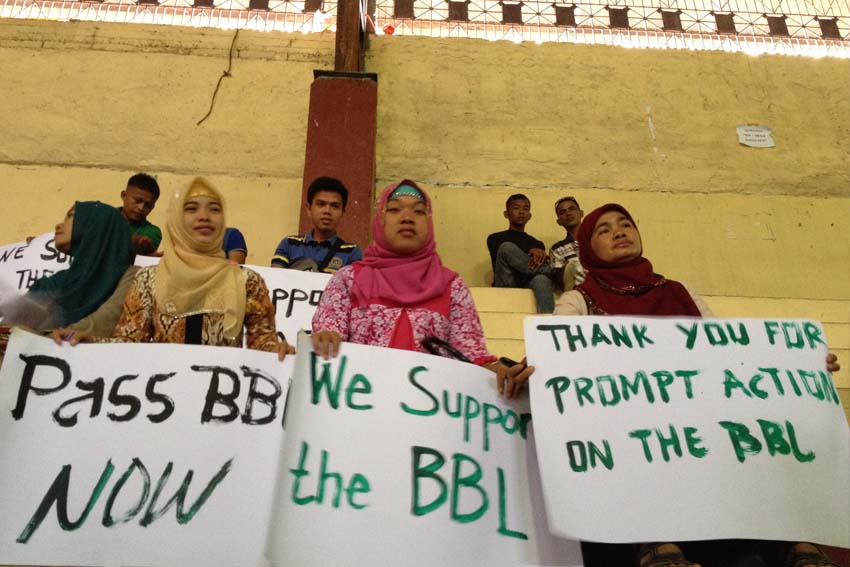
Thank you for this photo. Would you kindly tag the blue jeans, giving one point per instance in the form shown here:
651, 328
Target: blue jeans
511, 270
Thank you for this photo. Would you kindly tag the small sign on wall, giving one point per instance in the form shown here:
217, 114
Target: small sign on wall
755, 136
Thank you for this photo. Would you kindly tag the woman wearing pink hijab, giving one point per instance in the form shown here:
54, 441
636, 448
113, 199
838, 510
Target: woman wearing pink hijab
400, 293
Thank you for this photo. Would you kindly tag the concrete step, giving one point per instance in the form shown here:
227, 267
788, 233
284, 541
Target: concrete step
503, 300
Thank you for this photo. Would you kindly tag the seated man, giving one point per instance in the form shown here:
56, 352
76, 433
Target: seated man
139, 199
567, 271
321, 249
519, 259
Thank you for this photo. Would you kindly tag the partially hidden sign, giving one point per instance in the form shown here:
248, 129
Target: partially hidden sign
22, 264
658, 429
294, 294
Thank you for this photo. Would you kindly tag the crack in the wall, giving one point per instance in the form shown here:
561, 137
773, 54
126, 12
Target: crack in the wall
381, 181
118, 38
157, 168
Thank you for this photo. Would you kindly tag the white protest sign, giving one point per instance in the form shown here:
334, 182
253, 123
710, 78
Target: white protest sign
657, 429
401, 457
130, 454
294, 294
22, 264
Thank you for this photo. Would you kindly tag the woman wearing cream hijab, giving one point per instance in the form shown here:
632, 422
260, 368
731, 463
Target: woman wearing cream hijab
195, 295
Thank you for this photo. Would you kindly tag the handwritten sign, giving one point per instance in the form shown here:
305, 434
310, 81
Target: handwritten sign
294, 294
393, 454
22, 264
679, 429
135, 454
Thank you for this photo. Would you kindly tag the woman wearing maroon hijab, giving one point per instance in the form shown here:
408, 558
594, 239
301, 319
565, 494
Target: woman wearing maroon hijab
620, 281
400, 293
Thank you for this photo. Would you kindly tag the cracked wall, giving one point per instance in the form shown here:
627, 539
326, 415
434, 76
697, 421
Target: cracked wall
85, 105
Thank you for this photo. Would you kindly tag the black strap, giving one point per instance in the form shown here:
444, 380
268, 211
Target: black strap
194, 329
320, 267
434, 346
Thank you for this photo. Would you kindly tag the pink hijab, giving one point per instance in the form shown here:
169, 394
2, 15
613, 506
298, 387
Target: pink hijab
396, 280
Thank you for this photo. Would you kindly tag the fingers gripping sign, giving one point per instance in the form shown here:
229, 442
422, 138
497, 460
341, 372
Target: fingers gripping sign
511, 376
326, 344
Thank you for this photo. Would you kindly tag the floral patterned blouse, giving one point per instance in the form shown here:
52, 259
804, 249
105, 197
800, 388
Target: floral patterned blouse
374, 324
142, 321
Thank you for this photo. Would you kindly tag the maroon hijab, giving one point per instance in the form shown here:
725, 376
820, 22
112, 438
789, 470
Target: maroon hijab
631, 288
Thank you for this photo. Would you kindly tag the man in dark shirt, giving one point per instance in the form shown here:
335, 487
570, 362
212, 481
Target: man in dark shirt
519, 259
321, 249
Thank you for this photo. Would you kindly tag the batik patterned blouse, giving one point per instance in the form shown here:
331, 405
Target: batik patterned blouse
374, 324
143, 321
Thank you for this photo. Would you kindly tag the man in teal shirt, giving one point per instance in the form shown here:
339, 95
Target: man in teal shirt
139, 199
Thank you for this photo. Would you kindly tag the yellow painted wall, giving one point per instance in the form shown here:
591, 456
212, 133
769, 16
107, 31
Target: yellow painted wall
759, 232
479, 113
654, 129
84, 106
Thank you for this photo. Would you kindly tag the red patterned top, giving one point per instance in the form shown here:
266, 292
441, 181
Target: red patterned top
143, 321
374, 324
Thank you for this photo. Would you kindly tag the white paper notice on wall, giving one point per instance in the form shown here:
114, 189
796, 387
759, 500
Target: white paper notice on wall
755, 136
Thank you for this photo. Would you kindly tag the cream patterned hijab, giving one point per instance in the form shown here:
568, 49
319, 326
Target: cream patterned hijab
195, 277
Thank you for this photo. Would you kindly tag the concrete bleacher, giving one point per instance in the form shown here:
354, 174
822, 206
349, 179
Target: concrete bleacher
502, 312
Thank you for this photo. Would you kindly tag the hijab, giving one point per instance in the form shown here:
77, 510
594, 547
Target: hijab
194, 277
395, 279
101, 252
631, 288
401, 280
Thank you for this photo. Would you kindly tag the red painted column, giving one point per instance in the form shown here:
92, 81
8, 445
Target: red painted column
341, 129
